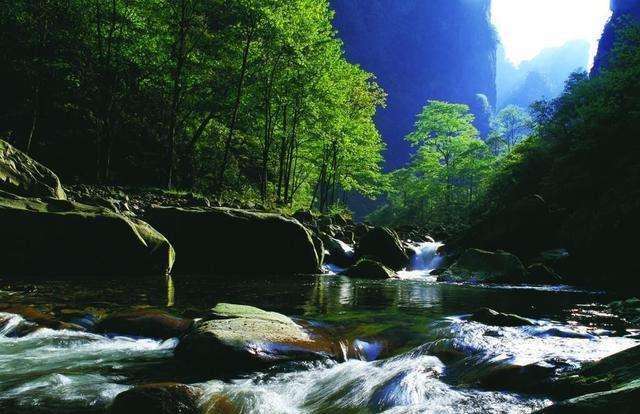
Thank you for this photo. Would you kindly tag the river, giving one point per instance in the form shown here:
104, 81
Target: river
407, 331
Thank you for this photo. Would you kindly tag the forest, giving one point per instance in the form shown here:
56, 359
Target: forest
240, 99
255, 101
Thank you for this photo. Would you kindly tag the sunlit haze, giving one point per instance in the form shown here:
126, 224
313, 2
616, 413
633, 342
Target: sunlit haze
526, 27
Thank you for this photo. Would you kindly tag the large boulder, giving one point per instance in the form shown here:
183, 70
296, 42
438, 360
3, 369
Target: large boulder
22, 175
479, 266
50, 237
145, 323
238, 337
383, 245
163, 398
369, 269
229, 241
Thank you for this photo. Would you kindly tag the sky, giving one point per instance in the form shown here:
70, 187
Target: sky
526, 27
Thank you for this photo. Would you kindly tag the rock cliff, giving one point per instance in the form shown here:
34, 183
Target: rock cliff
623, 12
421, 50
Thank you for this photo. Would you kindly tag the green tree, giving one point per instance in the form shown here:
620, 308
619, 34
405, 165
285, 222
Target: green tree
510, 126
447, 173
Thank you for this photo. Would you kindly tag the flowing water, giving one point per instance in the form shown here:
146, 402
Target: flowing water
418, 351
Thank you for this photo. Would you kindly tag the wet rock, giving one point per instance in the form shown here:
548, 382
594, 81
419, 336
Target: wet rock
36, 319
163, 398
628, 309
24, 176
145, 323
305, 217
220, 404
369, 269
609, 374
340, 220
383, 245
623, 400
229, 241
522, 378
238, 337
340, 254
479, 266
360, 229
563, 333
543, 274
493, 318
49, 237
319, 247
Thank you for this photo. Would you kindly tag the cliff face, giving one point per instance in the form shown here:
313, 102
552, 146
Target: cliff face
421, 50
542, 77
623, 11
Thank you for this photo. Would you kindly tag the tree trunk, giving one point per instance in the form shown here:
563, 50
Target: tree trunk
177, 90
236, 108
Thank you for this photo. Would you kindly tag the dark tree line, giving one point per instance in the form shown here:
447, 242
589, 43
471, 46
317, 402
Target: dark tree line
250, 97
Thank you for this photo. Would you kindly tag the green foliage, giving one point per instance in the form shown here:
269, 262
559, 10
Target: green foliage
446, 174
584, 161
252, 97
511, 125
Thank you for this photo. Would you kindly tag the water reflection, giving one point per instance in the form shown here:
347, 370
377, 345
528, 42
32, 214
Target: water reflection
398, 320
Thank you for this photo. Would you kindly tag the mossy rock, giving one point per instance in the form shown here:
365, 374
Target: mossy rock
239, 338
24, 176
236, 242
369, 269
480, 266
51, 237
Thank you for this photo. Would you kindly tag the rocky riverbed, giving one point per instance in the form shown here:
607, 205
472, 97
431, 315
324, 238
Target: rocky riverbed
125, 300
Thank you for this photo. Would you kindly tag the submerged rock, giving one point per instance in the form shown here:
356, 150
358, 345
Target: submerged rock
494, 318
163, 398
146, 323
229, 241
479, 266
22, 175
383, 245
50, 237
239, 337
369, 269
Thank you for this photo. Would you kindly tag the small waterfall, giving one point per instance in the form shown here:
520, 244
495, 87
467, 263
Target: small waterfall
427, 257
425, 261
